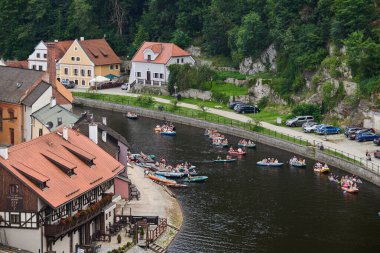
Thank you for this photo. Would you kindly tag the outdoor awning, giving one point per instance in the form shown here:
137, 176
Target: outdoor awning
99, 79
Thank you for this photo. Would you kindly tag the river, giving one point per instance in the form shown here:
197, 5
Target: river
245, 208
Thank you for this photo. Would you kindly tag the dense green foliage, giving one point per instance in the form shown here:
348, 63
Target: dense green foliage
301, 30
308, 109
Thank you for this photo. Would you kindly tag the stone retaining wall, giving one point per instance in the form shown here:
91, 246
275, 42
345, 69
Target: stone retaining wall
308, 151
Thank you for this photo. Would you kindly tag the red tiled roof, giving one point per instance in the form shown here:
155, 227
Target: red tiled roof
60, 48
99, 52
165, 50
63, 95
61, 188
17, 64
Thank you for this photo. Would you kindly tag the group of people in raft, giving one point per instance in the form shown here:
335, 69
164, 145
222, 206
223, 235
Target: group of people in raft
245, 142
166, 127
163, 166
346, 183
299, 161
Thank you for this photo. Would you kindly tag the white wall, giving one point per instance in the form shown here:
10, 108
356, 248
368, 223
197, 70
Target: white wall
144, 67
38, 61
186, 59
27, 239
43, 100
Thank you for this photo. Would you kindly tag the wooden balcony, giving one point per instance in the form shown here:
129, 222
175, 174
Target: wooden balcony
60, 229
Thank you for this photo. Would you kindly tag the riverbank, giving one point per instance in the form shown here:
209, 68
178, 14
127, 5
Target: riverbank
154, 201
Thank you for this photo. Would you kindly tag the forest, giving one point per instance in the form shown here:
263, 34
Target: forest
301, 30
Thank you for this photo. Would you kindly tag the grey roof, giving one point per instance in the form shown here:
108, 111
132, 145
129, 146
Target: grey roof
51, 114
36, 94
10, 77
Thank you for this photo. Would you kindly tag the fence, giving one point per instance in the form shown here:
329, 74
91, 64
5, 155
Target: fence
234, 127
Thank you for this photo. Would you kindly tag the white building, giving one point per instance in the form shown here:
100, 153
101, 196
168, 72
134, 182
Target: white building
38, 59
150, 63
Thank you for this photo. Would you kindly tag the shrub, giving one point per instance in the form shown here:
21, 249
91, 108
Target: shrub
220, 97
307, 109
145, 101
263, 102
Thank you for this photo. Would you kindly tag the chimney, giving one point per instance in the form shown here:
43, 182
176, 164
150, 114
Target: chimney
104, 120
93, 132
104, 136
51, 63
53, 102
81, 38
4, 152
65, 133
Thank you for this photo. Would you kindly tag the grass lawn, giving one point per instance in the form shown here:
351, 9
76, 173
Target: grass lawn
271, 113
229, 89
222, 75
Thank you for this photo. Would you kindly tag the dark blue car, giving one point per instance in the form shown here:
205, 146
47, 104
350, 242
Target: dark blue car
328, 130
367, 136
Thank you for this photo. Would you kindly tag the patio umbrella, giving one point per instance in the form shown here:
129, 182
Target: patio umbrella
99, 79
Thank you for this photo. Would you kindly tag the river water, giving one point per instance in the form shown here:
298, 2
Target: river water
245, 208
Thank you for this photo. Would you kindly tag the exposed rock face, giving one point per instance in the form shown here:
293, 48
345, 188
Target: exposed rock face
236, 81
195, 51
194, 93
260, 90
267, 61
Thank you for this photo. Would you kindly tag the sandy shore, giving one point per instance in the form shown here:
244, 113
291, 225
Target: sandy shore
155, 200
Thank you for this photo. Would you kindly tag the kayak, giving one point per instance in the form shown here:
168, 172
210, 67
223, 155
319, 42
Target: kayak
162, 179
297, 164
225, 160
191, 171
236, 152
270, 164
196, 179
253, 145
350, 190
168, 133
170, 174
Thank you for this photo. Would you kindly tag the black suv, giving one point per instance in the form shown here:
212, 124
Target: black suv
247, 109
232, 104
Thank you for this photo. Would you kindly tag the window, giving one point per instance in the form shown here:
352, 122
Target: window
11, 115
83, 83
45, 56
1, 120
111, 66
117, 66
40, 68
13, 189
75, 72
38, 55
12, 136
89, 72
177, 60
162, 76
149, 57
138, 74
75, 48
73, 58
82, 72
76, 82
155, 75
78, 58
34, 67
182, 60
15, 218
66, 71
40, 132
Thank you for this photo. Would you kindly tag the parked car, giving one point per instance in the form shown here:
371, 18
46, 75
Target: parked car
328, 130
377, 153
313, 128
68, 84
124, 86
309, 124
232, 104
299, 120
366, 136
376, 141
351, 129
247, 109
353, 135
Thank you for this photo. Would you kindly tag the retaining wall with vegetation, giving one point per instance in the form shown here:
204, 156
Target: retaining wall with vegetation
308, 151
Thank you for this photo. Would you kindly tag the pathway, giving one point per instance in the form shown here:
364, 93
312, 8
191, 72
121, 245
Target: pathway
333, 142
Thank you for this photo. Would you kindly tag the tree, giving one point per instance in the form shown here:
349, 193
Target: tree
181, 39
80, 22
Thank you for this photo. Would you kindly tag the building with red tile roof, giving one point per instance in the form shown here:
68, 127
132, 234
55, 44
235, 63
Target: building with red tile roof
151, 61
53, 186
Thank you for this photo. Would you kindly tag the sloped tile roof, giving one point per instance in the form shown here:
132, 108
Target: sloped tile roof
60, 48
100, 52
17, 64
62, 188
36, 93
51, 114
165, 50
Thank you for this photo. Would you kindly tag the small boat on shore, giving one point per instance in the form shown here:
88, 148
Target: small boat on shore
130, 115
191, 171
162, 179
261, 163
178, 185
225, 160
196, 179
171, 133
169, 174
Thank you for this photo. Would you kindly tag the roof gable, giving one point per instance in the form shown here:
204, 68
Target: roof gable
75, 50
100, 52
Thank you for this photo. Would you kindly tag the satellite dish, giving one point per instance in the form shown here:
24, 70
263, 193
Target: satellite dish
49, 124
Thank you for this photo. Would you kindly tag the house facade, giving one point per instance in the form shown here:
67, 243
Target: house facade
38, 59
23, 92
55, 193
149, 65
86, 59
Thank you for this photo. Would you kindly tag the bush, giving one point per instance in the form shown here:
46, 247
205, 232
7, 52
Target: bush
145, 101
220, 97
263, 102
308, 109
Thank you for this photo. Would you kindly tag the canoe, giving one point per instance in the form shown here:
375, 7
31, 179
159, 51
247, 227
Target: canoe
168, 133
192, 172
170, 174
196, 179
162, 180
270, 164
225, 160
298, 165
350, 190
236, 152
247, 145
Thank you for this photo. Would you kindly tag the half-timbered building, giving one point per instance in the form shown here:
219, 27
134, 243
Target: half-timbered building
56, 192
